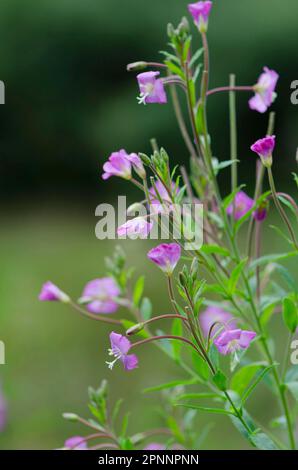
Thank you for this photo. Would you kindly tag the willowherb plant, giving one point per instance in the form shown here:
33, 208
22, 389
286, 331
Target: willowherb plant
223, 297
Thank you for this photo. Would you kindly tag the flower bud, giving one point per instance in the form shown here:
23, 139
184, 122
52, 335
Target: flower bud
136, 66
70, 417
145, 159
182, 279
135, 329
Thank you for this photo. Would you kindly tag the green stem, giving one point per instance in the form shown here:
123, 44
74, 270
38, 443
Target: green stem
280, 208
233, 133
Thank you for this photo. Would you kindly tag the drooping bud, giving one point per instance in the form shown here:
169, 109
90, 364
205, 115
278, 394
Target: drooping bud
70, 417
136, 66
135, 329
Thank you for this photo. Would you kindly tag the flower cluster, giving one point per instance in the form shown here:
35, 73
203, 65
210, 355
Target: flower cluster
221, 295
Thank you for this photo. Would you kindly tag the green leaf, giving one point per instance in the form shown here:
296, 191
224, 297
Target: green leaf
234, 278
262, 441
242, 378
215, 250
260, 377
169, 385
197, 396
146, 308
290, 314
200, 366
138, 291
272, 258
175, 69
220, 380
219, 411
196, 56
186, 48
293, 388
177, 330
287, 203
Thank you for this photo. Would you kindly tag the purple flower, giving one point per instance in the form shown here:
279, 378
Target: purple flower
151, 88
265, 91
156, 206
119, 349
137, 165
200, 12
75, 443
50, 292
232, 340
216, 315
166, 256
264, 148
135, 228
117, 165
100, 294
240, 206
260, 213
155, 446
3, 412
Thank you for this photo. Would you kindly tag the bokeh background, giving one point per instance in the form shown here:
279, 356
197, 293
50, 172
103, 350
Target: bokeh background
69, 104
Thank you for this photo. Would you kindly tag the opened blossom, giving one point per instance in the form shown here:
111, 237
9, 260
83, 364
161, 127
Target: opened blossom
135, 228
120, 347
264, 148
75, 443
160, 190
51, 293
151, 88
231, 341
264, 91
117, 165
99, 295
200, 12
218, 317
240, 206
165, 256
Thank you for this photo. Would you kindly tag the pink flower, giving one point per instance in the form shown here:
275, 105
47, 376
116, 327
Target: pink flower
157, 207
3, 412
137, 165
165, 256
75, 443
135, 228
200, 12
240, 206
216, 315
265, 91
155, 446
100, 294
50, 292
151, 88
264, 148
232, 340
119, 349
117, 165
260, 213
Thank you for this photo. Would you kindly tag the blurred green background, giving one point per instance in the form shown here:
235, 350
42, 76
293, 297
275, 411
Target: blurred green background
69, 104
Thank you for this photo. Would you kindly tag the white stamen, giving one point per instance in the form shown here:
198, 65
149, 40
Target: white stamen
142, 98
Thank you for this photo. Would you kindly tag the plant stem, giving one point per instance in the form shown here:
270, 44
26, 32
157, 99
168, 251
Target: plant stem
181, 122
157, 338
259, 183
83, 312
233, 132
280, 208
230, 88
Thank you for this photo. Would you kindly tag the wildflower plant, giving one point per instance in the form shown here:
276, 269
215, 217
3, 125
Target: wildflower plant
224, 294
